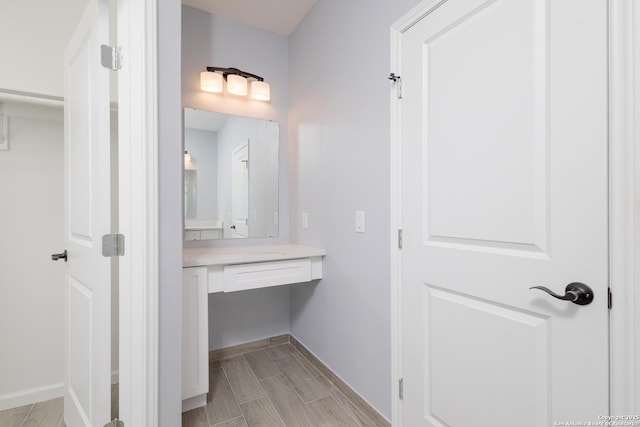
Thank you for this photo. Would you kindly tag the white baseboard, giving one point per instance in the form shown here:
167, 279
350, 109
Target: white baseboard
39, 394
360, 402
31, 396
194, 402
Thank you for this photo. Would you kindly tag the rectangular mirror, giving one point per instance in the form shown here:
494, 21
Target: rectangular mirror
230, 176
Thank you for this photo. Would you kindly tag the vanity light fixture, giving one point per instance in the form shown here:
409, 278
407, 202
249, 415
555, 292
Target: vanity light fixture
237, 80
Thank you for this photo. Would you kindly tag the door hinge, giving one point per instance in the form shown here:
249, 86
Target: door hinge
401, 388
110, 57
397, 82
609, 298
112, 245
115, 423
400, 239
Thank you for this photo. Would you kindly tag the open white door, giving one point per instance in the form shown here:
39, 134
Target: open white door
504, 187
240, 195
87, 399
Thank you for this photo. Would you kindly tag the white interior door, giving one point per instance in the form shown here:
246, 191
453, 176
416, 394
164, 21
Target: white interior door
240, 194
87, 400
504, 186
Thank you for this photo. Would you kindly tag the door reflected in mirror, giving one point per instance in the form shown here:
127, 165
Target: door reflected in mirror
230, 176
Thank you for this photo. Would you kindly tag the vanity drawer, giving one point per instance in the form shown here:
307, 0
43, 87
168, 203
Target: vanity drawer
264, 274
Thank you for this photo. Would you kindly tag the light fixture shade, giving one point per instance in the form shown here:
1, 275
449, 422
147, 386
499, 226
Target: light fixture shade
237, 85
260, 90
211, 82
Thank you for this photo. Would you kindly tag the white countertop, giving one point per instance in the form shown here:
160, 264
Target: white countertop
196, 257
203, 225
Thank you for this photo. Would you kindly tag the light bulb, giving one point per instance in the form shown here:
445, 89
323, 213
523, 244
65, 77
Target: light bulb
236, 85
260, 91
211, 82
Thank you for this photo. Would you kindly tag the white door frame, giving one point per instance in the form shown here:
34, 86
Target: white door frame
624, 217
234, 194
138, 199
624, 213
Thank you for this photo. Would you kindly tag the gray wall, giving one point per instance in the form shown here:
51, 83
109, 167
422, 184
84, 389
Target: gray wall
170, 160
203, 147
210, 40
339, 132
338, 162
31, 286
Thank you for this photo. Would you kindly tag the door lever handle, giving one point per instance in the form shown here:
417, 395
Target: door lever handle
63, 255
576, 292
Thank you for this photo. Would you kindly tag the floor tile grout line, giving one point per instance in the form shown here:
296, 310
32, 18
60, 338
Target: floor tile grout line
206, 413
269, 399
340, 404
253, 351
292, 386
318, 398
273, 404
254, 376
266, 394
224, 422
26, 416
233, 393
332, 386
300, 358
320, 374
269, 377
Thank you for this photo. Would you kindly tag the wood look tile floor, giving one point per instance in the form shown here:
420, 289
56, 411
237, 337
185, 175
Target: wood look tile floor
41, 414
272, 387
46, 414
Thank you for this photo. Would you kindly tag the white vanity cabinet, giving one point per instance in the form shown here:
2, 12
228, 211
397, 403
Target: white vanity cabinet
230, 269
195, 337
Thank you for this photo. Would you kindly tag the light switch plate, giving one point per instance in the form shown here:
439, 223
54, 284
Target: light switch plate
359, 221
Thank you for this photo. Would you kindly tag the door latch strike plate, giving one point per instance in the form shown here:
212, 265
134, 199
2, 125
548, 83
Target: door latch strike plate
112, 245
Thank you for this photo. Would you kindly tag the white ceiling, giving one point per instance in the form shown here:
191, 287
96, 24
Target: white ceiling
278, 16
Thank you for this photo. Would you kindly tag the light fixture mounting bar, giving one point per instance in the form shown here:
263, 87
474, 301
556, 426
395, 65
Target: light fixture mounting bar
227, 71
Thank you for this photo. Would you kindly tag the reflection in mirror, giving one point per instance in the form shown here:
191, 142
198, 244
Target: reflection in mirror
190, 185
231, 176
